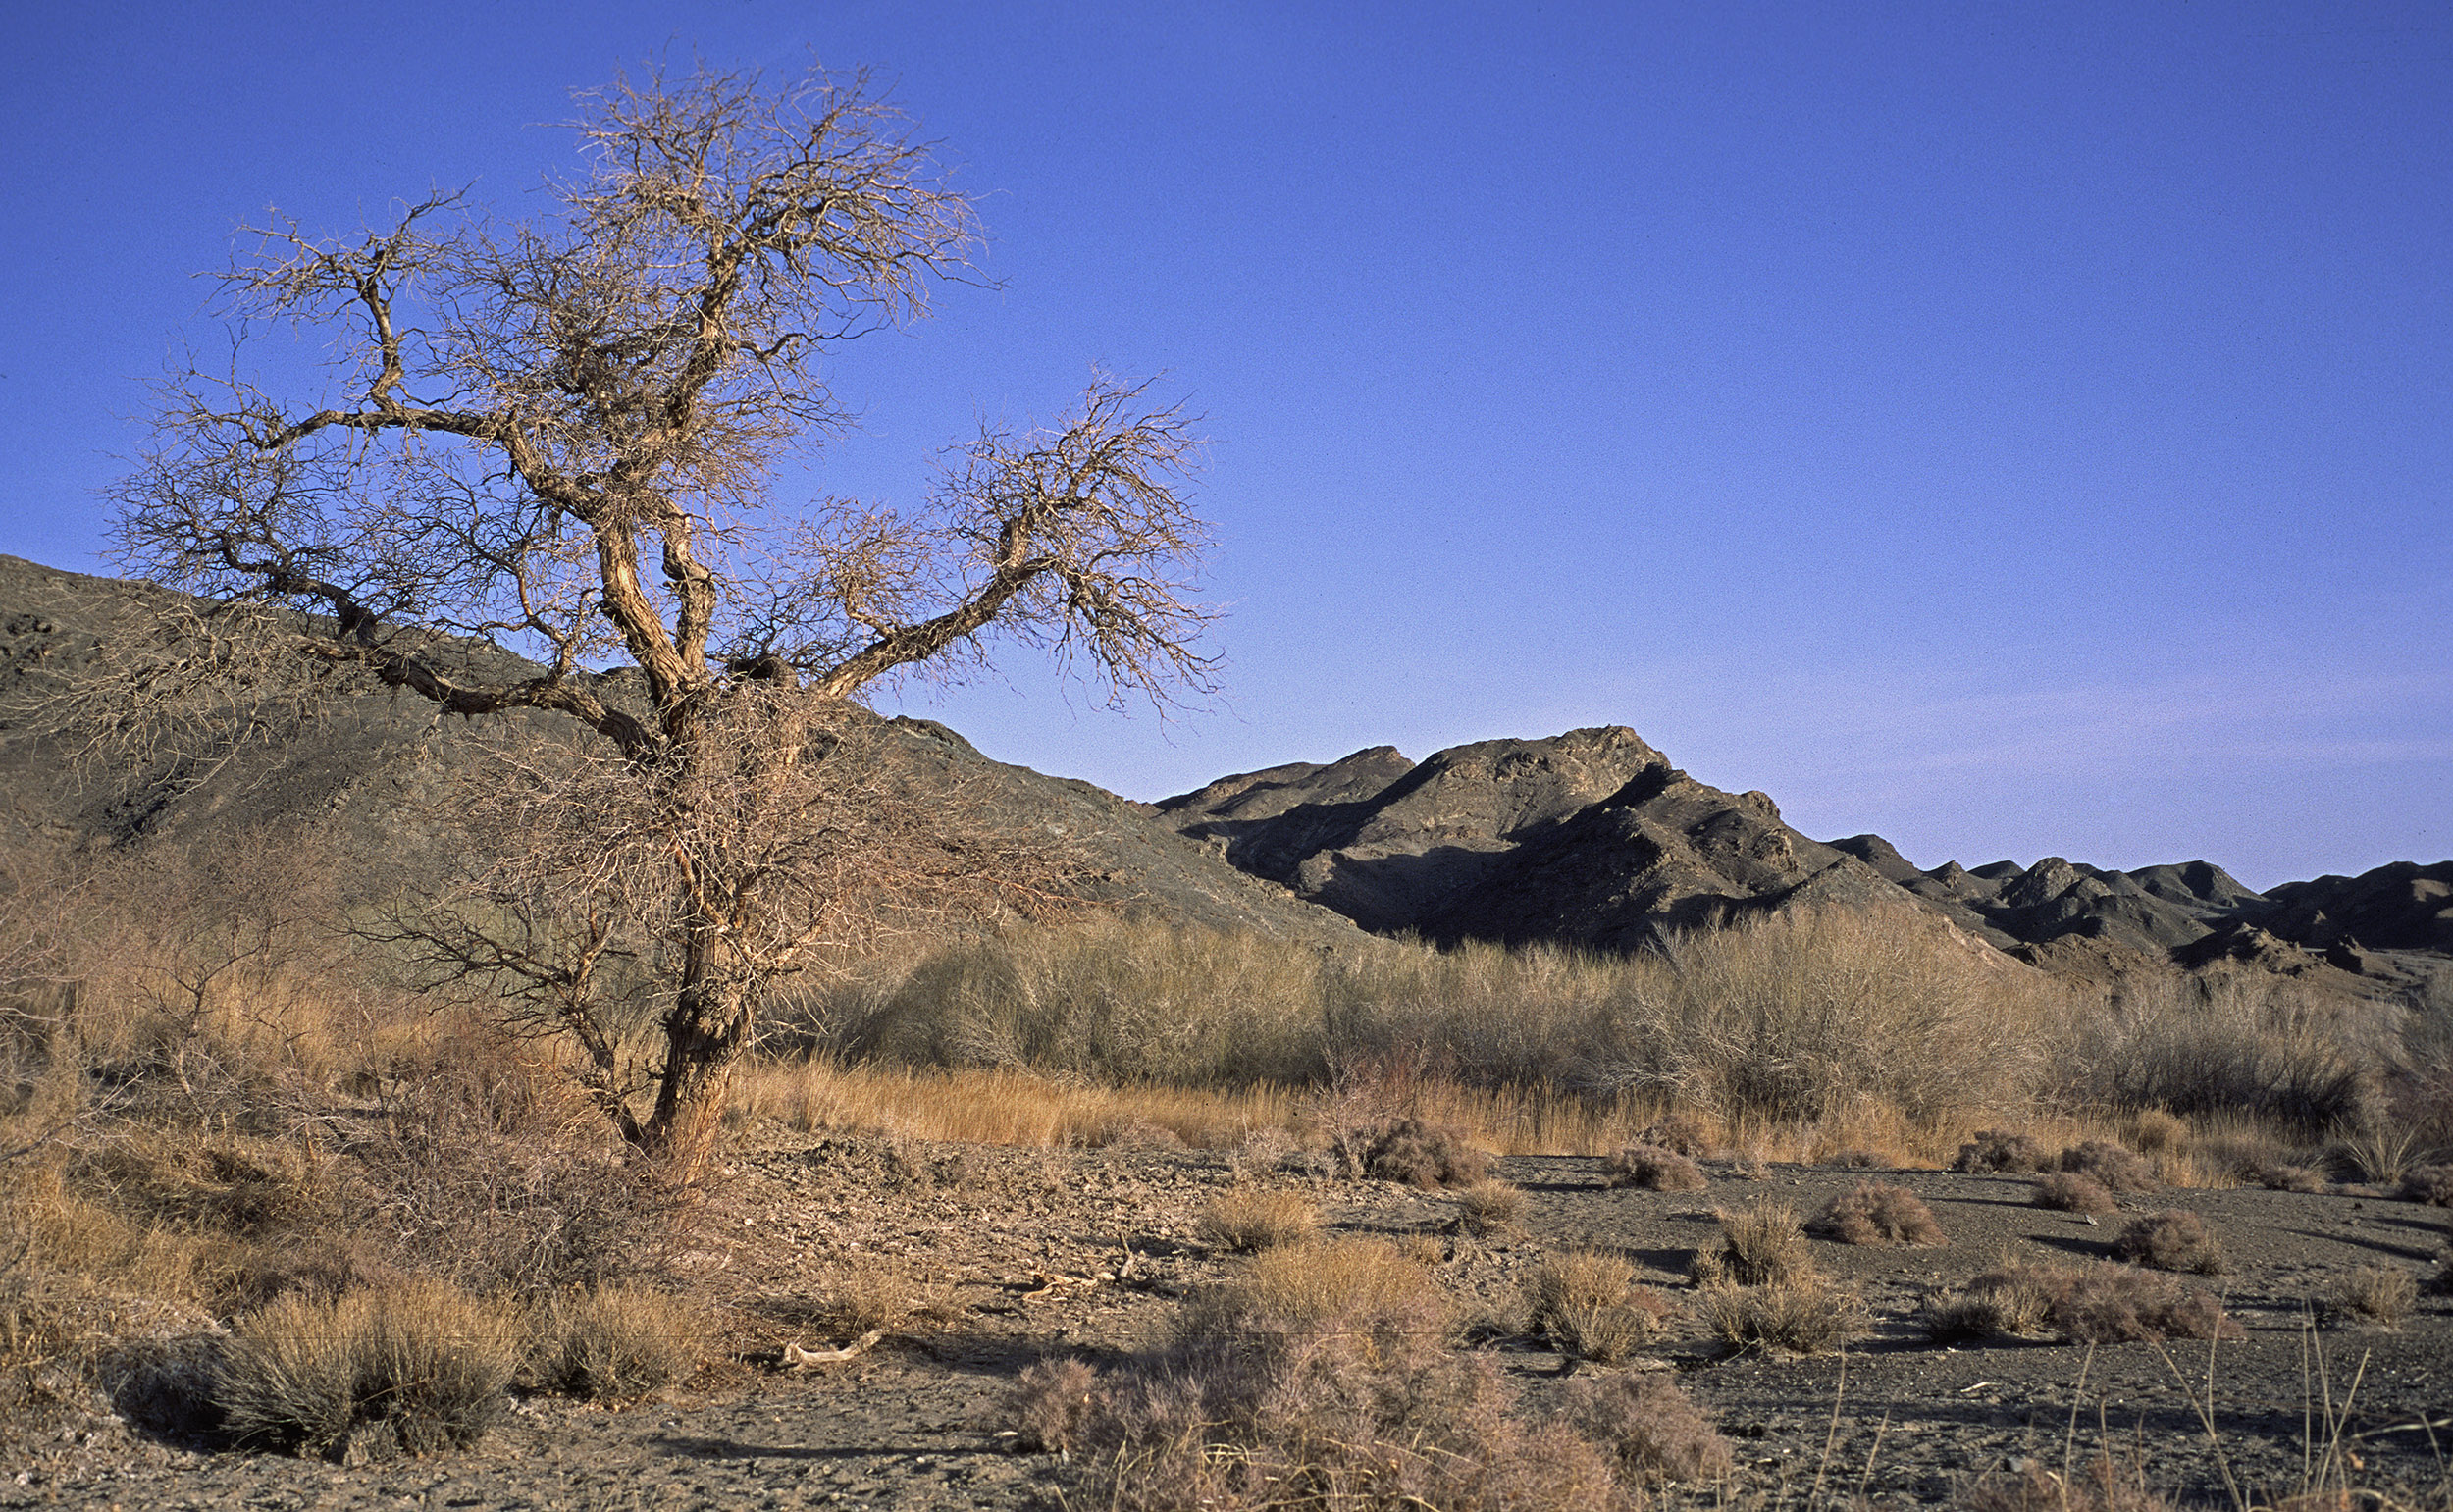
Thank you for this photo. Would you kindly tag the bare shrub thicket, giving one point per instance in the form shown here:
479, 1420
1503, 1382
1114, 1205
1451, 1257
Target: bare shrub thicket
1420, 1153
2000, 1150
1655, 1170
1318, 1376
2110, 1167
2228, 1041
1880, 1213
1656, 1430
2382, 1295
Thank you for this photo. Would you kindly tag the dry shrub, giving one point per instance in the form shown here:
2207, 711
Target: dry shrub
1248, 1221
2066, 1191
1853, 1159
2430, 1184
2110, 1166
420, 1369
1314, 1377
1803, 1314
1655, 1169
493, 1169
1050, 1402
1488, 1207
2220, 1042
2152, 1130
1760, 1244
2174, 1240
2016, 1302
1654, 1426
874, 1294
2000, 1149
1588, 1305
613, 1343
1680, 1133
1422, 1154
1881, 1213
2281, 1176
2104, 1304
2382, 1295
2104, 1488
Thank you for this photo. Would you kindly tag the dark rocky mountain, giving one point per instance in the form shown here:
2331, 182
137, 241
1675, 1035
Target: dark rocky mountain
1592, 838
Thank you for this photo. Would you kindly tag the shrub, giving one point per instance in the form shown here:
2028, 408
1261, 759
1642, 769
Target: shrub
1801, 1314
2105, 1304
2430, 1184
1051, 1402
1655, 1169
1587, 1304
422, 1368
1854, 1159
1488, 1208
1249, 1221
2067, 1191
1760, 1244
2382, 1295
1880, 1213
2152, 1130
2015, 1301
1680, 1133
2115, 1169
613, 1343
1426, 1155
2279, 1177
1387, 1307
1654, 1426
1999, 1150
2174, 1240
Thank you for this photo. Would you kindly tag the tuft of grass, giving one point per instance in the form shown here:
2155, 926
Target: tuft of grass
1801, 1314
853, 1298
615, 1343
2000, 1150
1389, 1307
1248, 1221
2015, 1302
1653, 1427
1588, 1305
2066, 1191
2174, 1240
1680, 1133
1488, 1207
1760, 1244
2112, 1167
2283, 1176
1654, 1168
1881, 1213
2378, 1295
1050, 1402
420, 1367
2100, 1303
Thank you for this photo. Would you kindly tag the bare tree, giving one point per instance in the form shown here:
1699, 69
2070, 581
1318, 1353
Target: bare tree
564, 437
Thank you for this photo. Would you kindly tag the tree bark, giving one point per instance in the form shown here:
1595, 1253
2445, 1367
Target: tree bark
704, 1034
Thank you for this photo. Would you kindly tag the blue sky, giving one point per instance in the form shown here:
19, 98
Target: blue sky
2017, 431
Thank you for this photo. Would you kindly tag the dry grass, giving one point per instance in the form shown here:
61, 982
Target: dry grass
1655, 1170
1761, 1244
1246, 1222
2377, 1295
2174, 1240
2103, 1486
1416, 1151
2011, 1302
1588, 1305
421, 1368
2000, 1150
875, 1295
2066, 1191
1881, 1213
2110, 1166
615, 1343
1801, 1314
2100, 1303
1488, 1207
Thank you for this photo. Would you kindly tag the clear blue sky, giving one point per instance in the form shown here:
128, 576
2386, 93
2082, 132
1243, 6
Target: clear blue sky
2014, 430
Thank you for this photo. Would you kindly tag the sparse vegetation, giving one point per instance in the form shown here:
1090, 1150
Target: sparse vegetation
1489, 1208
2430, 1184
2097, 1304
1655, 1429
2000, 1150
1246, 1222
1880, 1213
1655, 1170
2174, 1240
2014, 1301
615, 1343
2110, 1165
1760, 1243
1800, 1314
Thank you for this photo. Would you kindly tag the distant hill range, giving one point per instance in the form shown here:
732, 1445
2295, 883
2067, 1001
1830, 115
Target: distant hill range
1590, 839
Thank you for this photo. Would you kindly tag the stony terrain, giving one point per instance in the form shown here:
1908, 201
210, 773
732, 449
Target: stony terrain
1085, 1252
